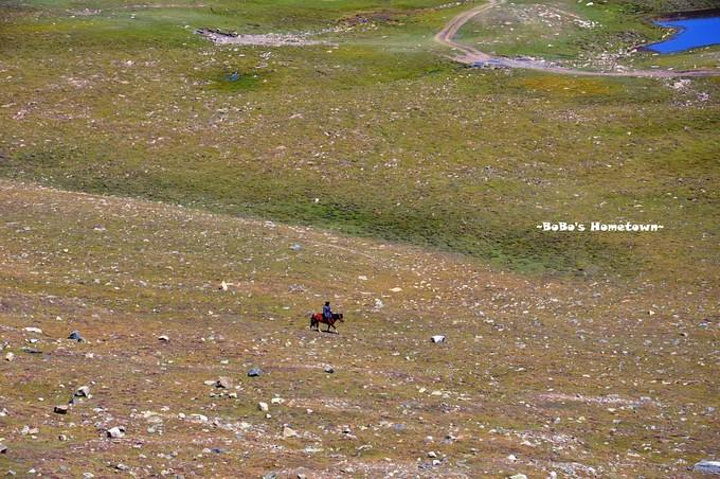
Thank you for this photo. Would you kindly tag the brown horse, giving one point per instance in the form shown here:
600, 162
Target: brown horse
318, 318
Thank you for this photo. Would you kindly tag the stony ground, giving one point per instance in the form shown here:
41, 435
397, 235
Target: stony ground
537, 376
568, 356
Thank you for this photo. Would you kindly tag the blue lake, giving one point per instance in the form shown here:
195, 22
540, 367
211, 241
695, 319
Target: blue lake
692, 33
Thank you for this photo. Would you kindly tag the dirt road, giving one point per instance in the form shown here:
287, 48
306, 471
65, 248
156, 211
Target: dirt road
472, 56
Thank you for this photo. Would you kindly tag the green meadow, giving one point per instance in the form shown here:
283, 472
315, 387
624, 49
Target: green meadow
376, 132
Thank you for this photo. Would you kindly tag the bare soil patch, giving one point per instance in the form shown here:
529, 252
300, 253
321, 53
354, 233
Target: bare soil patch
219, 37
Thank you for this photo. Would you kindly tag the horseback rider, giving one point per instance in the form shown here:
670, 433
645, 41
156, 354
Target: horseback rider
327, 312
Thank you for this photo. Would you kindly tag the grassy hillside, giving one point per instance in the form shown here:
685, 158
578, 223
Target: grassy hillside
563, 375
373, 134
141, 166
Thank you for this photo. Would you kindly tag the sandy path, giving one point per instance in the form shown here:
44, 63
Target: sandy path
470, 55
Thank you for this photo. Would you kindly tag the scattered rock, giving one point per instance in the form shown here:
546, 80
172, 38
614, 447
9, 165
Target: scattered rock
396, 290
83, 391
33, 330
61, 409
707, 467
519, 476
223, 383
270, 475
296, 247
76, 336
288, 432
116, 432
3, 449
153, 419
254, 372
438, 339
198, 418
432, 454
164, 338
329, 369
9, 357
512, 458
62, 438
263, 406
29, 430
122, 467
277, 401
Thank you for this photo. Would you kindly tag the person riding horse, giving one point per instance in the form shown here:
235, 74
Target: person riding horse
326, 317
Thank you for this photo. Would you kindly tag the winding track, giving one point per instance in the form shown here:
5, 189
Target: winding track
471, 56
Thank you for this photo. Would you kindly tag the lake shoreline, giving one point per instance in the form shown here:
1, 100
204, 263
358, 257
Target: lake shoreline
687, 34
710, 12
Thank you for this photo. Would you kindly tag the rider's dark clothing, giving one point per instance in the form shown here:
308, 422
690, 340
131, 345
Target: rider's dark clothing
327, 312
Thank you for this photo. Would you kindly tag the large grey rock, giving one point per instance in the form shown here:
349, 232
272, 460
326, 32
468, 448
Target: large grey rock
83, 391
76, 336
116, 432
61, 409
708, 467
223, 383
